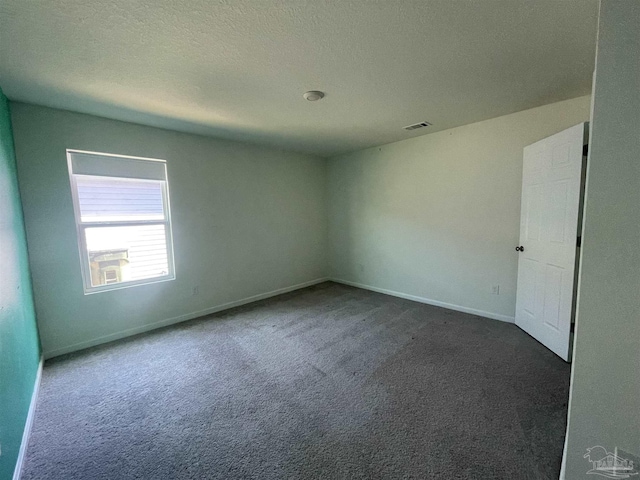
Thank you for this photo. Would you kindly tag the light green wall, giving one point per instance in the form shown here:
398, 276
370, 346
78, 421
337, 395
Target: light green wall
437, 216
19, 347
246, 220
605, 390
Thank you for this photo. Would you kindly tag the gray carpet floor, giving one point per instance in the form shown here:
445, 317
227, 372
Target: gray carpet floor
329, 382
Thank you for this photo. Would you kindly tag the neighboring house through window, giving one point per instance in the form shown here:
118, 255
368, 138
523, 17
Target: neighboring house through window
123, 221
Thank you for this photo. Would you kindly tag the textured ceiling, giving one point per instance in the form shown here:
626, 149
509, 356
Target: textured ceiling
238, 69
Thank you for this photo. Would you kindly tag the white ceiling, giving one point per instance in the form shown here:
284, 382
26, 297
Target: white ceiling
238, 69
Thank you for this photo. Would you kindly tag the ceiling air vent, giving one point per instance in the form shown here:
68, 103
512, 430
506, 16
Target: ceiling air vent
417, 125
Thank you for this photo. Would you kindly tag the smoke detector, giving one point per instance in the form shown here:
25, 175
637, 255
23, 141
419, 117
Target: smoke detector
313, 95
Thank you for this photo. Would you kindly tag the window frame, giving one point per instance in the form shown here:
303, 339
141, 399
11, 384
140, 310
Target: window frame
82, 226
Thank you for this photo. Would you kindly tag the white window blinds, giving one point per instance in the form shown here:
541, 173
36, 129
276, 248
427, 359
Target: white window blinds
122, 216
115, 199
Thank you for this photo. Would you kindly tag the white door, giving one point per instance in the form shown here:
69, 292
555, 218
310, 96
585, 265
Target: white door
549, 223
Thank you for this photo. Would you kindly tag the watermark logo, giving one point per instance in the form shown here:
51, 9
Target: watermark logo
608, 464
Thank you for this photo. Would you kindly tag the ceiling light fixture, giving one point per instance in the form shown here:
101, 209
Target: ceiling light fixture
313, 95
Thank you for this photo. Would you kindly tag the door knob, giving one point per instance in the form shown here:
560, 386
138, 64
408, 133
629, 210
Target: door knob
520, 249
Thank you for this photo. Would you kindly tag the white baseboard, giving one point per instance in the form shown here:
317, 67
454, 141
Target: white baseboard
26, 433
450, 306
181, 318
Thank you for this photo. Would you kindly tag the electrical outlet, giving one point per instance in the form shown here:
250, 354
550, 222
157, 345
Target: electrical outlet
495, 290
196, 291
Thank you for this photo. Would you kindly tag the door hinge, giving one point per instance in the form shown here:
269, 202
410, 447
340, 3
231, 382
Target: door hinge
585, 150
579, 242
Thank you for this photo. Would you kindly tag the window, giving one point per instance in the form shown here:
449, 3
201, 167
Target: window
121, 207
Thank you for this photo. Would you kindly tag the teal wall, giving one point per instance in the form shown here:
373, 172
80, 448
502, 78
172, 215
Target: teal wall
19, 345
